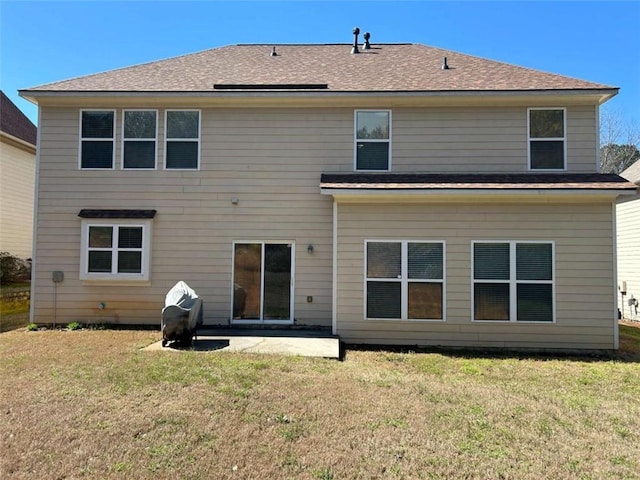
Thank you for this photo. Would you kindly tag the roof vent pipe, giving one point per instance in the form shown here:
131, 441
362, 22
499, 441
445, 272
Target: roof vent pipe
445, 65
367, 45
273, 53
356, 32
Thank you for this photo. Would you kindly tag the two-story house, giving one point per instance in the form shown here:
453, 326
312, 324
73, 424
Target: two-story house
17, 179
397, 194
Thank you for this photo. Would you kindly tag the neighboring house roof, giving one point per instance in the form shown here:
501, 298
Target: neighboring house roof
523, 181
632, 173
15, 123
403, 67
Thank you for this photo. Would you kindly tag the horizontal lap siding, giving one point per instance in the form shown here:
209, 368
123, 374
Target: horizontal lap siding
583, 261
242, 154
462, 140
628, 243
17, 180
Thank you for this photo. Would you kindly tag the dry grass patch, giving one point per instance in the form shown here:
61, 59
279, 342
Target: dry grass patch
90, 404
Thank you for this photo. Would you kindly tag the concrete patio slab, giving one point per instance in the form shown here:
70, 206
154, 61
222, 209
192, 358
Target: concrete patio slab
311, 344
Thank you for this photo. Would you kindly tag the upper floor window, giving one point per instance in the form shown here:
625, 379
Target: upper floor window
182, 145
404, 280
373, 140
547, 139
513, 281
115, 250
97, 138
139, 133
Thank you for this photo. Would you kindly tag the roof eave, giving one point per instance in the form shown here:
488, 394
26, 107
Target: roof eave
355, 192
602, 94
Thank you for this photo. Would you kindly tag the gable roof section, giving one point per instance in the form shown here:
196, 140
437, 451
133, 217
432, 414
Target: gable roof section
632, 173
384, 68
15, 123
330, 183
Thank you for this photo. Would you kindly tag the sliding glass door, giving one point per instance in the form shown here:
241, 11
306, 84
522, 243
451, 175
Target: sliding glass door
263, 282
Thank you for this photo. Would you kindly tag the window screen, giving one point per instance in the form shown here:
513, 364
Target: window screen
183, 140
139, 144
97, 139
546, 139
372, 143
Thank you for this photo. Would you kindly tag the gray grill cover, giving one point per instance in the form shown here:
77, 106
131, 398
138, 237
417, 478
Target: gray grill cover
182, 312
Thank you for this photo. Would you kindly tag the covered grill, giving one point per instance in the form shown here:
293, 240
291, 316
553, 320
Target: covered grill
181, 315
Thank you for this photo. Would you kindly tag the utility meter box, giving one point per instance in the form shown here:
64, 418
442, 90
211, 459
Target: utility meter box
57, 276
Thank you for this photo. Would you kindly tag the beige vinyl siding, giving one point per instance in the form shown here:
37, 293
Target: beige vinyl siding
583, 271
17, 183
242, 155
628, 243
271, 159
482, 140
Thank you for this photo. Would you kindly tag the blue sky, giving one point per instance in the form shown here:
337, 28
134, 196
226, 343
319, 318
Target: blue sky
46, 41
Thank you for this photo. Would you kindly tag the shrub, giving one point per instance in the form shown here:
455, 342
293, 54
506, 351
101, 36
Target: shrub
74, 326
32, 327
13, 269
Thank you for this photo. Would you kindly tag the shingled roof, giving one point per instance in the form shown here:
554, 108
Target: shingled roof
331, 67
16, 123
465, 181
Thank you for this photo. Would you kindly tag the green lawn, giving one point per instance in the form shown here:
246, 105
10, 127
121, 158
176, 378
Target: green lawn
91, 404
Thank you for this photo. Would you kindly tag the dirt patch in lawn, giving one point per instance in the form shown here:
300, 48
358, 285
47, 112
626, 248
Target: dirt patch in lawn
91, 404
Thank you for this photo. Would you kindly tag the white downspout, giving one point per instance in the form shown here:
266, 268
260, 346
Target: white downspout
334, 293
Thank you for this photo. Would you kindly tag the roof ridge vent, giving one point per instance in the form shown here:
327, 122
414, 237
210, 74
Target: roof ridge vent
445, 65
273, 52
367, 45
356, 32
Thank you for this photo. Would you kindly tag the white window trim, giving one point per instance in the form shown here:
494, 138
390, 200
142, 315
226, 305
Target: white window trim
123, 139
112, 139
404, 281
549, 139
513, 282
290, 321
355, 140
167, 139
115, 223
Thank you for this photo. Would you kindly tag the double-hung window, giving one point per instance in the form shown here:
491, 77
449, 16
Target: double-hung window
115, 251
97, 139
373, 140
513, 281
547, 139
139, 133
182, 140
404, 280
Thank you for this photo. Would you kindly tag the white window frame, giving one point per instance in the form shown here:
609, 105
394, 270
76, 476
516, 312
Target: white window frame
381, 140
549, 139
404, 281
513, 282
167, 139
112, 139
116, 223
292, 291
124, 139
